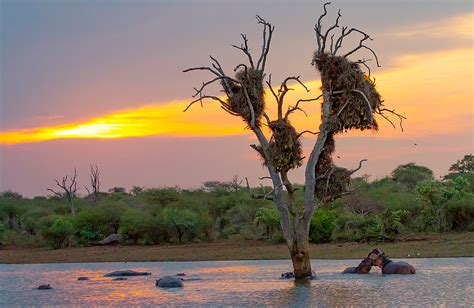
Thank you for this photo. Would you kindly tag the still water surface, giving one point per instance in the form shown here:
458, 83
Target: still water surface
439, 282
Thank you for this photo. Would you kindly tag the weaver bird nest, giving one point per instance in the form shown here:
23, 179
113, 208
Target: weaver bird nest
251, 84
285, 150
354, 98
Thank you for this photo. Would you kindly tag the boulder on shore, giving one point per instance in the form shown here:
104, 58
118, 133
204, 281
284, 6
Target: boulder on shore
111, 239
126, 273
169, 282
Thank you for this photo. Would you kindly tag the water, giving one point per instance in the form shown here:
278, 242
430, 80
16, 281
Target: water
442, 282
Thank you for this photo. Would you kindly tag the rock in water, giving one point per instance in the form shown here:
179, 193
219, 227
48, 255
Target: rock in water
45, 287
111, 239
169, 282
126, 273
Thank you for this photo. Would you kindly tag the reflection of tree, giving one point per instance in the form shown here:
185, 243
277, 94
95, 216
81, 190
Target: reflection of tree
310, 293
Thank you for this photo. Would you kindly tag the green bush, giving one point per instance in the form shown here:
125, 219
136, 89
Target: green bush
138, 226
461, 213
59, 233
322, 225
87, 237
183, 221
269, 219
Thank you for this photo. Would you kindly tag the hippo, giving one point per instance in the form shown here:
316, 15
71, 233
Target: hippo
126, 273
169, 282
45, 287
364, 267
392, 267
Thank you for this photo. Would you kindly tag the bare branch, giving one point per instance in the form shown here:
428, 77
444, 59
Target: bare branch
200, 99
245, 49
366, 100
380, 111
306, 131
296, 107
269, 83
266, 196
69, 190
267, 118
318, 27
266, 42
363, 62
361, 45
324, 39
56, 193
358, 168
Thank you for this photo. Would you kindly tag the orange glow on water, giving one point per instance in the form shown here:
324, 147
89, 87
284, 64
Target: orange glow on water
433, 90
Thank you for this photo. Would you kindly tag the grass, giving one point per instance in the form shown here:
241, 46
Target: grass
420, 246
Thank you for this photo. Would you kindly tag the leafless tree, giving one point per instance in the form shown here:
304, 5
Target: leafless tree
69, 189
95, 182
344, 106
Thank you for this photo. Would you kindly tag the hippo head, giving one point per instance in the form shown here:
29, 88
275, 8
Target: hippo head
364, 266
377, 257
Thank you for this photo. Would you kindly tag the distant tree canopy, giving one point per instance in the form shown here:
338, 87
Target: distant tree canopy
411, 174
379, 210
466, 164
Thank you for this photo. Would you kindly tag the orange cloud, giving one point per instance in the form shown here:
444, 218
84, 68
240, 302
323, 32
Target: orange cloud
434, 91
460, 26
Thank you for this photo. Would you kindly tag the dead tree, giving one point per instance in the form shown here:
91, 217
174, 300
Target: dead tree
69, 190
95, 183
349, 101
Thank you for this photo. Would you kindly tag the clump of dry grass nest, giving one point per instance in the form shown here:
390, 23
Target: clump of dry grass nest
285, 148
331, 181
252, 81
354, 97
354, 101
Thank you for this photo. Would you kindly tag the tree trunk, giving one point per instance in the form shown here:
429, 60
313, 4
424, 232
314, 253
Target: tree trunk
301, 261
71, 206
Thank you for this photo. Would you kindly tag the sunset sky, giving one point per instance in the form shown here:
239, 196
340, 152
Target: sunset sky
101, 82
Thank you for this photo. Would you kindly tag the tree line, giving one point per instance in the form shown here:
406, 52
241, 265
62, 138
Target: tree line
408, 201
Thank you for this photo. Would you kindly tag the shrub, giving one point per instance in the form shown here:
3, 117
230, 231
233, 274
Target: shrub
461, 213
183, 221
322, 225
268, 218
59, 233
87, 237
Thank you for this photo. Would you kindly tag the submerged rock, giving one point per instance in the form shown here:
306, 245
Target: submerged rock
169, 282
191, 279
83, 278
45, 287
126, 273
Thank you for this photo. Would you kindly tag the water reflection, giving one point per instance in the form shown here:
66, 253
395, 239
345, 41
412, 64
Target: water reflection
239, 283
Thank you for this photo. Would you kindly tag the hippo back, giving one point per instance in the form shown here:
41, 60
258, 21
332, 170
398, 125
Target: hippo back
399, 267
350, 270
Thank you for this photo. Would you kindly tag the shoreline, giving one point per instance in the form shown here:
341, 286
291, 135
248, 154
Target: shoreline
426, 246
